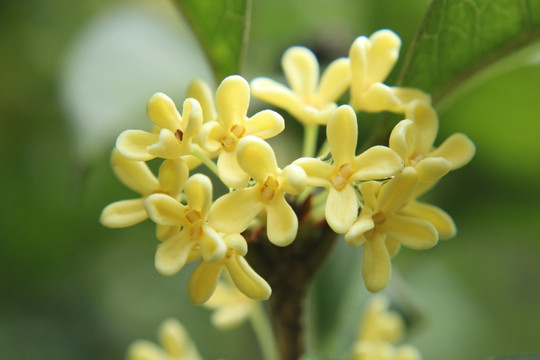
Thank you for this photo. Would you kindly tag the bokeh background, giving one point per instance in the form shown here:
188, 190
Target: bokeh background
73, 74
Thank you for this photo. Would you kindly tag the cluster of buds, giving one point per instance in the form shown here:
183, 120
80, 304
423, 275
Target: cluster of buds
371, 198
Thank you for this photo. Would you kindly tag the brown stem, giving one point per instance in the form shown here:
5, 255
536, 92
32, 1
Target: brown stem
289, 271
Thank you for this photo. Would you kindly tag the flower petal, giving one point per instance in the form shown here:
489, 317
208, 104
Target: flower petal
377, 162
295, 179
172, 176
265, 124
431, 169
301, 70
200, 91
377, 268
232, 100
392, 245
165, 210
123, 213
145, 350
237, 243
335, 80
134, 174
173, 337
257, 158
230, 171
199, 193
402, 139
383, 54
427, 125
458, 149
276, 94
163, 232
397, 191
213, 247
246, 279
318, 172
167, 146
162, 111
411, 232
379, 97
439, 218
232, 212
231, 316
355, 235
133, 144
341, 208
172, 254
210, 136
192, 118
281, 223
342, 134
203, 281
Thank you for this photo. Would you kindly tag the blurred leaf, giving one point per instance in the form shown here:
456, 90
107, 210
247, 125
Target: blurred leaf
222, 29
460, 38
519, 357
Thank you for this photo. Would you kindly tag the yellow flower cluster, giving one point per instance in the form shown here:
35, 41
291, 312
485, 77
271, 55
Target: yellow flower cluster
380, 330
369, 197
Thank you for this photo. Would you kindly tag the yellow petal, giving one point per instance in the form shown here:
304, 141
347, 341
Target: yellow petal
335, 80
236, 242
296, 179
397, 191
402, 139
230, 171
377, 267
392, 245
383, 54
369, 190
174, 337
301, 70
168, 146
458, 149
358, 55
355, 234
231, 316
123, 213
257, 158
192, 118
342, 134
246, 279
282, 223
172, 254
377, 162
431, 169
202, 93
210, 136
163, 232
165, 210
427, 125
440, 219
133, 144
265, 124
411, 232
199, 193
318, 172
408, 95
203, 282
379, 97
145, 350
232, 100
276, 94
341, 208
172, 176
213, 247
134, 174
162, 111
232, 212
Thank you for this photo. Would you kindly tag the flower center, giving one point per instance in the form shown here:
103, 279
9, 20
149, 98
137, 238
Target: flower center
415, 159
268, 190
179, 134
195, 219
341, 177
379, 218
229, 141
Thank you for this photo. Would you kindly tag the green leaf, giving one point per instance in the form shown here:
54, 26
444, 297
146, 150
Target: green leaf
519, 357
222, 29
460, 38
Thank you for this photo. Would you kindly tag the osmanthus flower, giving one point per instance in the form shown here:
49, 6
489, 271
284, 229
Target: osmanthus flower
233, 212
231, 307
173, 253
372, 59
137, 176
380, 330
339, 177
382, 228
309, 100
175, 345
173, 133
413, 140
205, 277
232, 102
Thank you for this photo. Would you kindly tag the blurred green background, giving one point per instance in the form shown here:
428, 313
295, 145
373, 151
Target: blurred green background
75, 74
